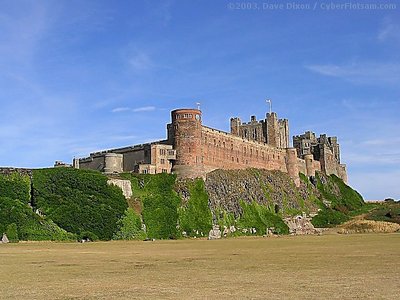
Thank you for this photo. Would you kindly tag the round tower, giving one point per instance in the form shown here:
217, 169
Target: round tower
291, 165
185, 129
309, 158
113, 163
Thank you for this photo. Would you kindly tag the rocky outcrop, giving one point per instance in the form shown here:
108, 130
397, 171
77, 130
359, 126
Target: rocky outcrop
274, 189
214, 233
300, 225
4, 239
124, 185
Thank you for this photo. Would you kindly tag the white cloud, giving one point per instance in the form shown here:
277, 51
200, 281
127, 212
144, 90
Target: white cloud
144, 108
120, 109
138, 109
362, 73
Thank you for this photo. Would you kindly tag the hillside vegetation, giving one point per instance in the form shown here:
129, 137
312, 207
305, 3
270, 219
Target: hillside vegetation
80, 201
17, 218
67, 203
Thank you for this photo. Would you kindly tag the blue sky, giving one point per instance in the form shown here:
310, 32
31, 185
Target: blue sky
80, 76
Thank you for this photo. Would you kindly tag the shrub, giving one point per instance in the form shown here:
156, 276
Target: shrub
130, 227
329, 218
88, 235
12, 233
30, 226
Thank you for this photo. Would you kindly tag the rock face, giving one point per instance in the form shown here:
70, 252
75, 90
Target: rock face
4, 239
124, 185
214, 233
300, 225
226, 188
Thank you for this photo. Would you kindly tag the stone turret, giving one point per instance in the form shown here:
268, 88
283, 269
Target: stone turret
113, 163
292, 166
272, 129
309, 159
235, 126
185, 131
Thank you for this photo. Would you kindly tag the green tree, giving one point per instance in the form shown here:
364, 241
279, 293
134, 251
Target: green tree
12, 233
129, 227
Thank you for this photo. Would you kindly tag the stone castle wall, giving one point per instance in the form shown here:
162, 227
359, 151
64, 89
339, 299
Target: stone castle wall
223, 150
201, 149
193, 150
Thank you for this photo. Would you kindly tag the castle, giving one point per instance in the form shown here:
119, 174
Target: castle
192, 150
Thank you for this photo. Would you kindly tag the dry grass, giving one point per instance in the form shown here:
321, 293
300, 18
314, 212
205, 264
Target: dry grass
367, 226
309, 267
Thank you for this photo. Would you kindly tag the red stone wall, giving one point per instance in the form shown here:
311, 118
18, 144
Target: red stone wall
221, 150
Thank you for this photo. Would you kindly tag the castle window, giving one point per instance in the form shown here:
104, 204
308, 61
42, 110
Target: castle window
233, 159
164, 171
237, 159
162, 161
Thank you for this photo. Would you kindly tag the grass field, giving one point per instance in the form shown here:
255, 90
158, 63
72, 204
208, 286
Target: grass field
311, 267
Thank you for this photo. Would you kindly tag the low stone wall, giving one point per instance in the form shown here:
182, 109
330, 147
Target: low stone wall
21, 171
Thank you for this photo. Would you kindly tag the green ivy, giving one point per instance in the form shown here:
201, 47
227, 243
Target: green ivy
160, 203
196, 218
259, 217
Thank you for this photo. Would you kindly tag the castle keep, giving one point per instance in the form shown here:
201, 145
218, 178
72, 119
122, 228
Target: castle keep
192, 150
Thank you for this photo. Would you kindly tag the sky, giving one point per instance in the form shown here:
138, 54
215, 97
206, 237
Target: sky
82, 76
